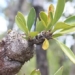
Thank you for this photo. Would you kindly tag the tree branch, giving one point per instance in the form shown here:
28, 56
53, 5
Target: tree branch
14, 51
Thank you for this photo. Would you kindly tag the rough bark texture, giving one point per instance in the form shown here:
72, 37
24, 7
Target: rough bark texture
14, 51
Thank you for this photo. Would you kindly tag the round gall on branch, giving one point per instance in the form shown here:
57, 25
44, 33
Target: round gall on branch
14, 51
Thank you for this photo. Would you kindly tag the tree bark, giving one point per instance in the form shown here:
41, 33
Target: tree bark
14, 52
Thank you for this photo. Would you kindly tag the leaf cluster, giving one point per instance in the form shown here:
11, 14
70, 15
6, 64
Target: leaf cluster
48, 22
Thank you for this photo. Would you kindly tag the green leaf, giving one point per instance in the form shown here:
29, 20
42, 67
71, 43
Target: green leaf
39, 26
33, 34
59, 10
60, 25
19, 14
70, 20
37, 72
51, 16
44, 18
31, 18
56, 35
67, 51
50, 21
59, 72
21, 24
68, 30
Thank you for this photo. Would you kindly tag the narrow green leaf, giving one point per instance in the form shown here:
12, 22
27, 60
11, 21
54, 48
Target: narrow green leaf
31, 18
67, 51
60, 25
44, 18
21, 16
65, 31
56, 35
68, 30
70, 20
50, 22
33, 34
21, 25
39, 26
51, 16
59, 10
35, 72
59, 72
